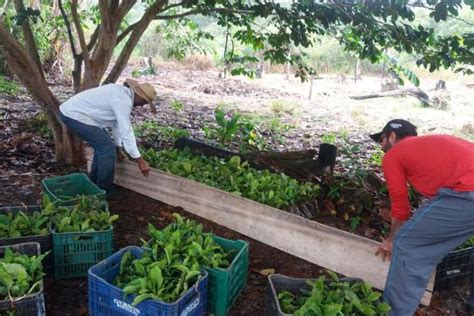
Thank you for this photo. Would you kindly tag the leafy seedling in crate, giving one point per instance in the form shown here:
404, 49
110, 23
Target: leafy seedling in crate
21, 224
333, 297
20, 275
88, 215
171, 263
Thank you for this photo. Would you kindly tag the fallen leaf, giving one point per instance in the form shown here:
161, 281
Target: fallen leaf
266, 272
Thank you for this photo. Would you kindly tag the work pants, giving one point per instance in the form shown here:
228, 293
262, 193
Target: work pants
103, 164
435, 229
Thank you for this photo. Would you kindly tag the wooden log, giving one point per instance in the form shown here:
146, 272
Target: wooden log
328, 247
415, 92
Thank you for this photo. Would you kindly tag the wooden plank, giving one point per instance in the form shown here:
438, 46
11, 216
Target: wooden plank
340, 251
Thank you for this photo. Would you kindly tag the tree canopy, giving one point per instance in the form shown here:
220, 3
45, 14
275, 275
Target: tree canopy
93, 32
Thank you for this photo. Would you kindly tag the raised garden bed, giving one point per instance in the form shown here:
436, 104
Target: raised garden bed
340, 251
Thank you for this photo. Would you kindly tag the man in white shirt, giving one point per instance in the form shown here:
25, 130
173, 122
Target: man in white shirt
88, 113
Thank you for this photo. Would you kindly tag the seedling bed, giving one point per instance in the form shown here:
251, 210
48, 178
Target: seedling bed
340, 251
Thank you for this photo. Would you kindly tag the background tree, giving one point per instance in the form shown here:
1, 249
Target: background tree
366, 28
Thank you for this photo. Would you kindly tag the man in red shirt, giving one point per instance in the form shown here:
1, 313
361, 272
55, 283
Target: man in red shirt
441, 168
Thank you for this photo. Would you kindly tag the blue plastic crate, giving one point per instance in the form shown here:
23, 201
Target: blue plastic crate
107, 299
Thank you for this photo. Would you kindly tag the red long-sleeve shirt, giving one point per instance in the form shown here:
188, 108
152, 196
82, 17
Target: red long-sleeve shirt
428, 163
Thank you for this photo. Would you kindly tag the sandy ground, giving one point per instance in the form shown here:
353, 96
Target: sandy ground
330, 109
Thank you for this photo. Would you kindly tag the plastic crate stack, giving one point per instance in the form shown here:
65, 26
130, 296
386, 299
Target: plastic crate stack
44, 241
455, 268
214, 293
33, 303
75, 252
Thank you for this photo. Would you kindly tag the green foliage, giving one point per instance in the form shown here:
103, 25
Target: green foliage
233, 176
88, 215
333, 298
182, 37
177, 105
21, 224
283, 107
136, 73
226, 129
9, 87
20, 275
37, 124
250, 135
355, 222
328, 138
376, 157
152, 131
171, 262
467, 244
247, 131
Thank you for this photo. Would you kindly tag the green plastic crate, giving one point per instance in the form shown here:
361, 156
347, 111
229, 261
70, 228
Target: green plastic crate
74, 253
225, 285
70, 185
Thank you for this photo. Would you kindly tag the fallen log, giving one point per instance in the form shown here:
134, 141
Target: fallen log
415, 92
304, 165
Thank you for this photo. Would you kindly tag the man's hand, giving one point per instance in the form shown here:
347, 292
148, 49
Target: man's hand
143, 166
385, 249
121, 156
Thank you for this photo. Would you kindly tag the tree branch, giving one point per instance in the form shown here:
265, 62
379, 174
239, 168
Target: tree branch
93, 38
172, 6
5, 7
419, 5
80, 33
200, 11
125, 6
68, 28
104, 13
132, 41
127, 31
28, 37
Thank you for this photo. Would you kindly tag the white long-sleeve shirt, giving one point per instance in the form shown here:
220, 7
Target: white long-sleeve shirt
109, 105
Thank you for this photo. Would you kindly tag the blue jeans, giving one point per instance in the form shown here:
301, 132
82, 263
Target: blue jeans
103, 165
436, 228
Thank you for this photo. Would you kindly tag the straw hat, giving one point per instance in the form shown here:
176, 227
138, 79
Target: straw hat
145, 91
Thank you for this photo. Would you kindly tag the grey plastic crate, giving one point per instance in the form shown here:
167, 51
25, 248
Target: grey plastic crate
278, 283
30, 305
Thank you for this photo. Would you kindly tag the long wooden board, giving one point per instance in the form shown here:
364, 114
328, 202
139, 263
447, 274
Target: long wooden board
340, 251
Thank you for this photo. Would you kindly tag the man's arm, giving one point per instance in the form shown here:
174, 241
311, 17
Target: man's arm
400, 205
385, 249
125, 130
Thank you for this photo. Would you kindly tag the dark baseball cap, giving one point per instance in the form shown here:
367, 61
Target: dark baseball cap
398, 126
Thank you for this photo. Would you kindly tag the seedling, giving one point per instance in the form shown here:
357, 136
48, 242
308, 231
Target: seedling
171, 263
333, 297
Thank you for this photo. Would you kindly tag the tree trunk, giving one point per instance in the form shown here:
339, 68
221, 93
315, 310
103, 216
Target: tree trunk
132, 41
68, 147
28, 37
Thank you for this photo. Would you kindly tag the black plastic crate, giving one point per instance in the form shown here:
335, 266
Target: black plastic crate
30, 305
455, 268
279, 282
45, 241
